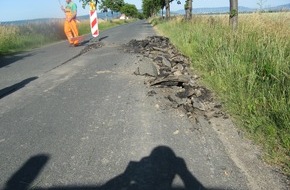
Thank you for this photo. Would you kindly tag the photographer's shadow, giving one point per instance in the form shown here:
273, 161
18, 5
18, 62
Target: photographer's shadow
157, 171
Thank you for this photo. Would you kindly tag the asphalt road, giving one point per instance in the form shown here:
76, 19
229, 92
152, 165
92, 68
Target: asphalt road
86, 122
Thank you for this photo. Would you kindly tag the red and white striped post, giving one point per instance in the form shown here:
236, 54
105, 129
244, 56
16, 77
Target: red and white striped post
94, 19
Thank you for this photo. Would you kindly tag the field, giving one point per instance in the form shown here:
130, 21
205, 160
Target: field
24, 37
249, 69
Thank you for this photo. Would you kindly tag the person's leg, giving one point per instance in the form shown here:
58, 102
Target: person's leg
68, 32
75, 32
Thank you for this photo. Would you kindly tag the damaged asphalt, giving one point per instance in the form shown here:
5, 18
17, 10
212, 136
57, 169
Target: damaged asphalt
125, 113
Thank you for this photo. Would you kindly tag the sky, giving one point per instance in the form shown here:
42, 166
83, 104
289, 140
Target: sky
12, 10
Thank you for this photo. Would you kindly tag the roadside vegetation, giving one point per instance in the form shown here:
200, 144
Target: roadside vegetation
249, 70
16, 38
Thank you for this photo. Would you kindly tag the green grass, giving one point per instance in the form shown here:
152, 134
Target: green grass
15, 39
249, 69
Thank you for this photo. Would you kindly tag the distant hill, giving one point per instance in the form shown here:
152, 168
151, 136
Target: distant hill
281, 7
101, 15
41, 20
214, 10
227, 9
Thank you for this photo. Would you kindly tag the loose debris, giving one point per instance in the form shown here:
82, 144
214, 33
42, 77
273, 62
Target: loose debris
175, 80
89, 47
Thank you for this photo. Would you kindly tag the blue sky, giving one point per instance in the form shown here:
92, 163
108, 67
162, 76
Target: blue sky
11, 10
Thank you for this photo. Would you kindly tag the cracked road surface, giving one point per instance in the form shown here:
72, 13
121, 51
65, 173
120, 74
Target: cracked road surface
90, 124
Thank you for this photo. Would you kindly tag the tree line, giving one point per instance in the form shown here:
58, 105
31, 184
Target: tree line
152, 8
112, 6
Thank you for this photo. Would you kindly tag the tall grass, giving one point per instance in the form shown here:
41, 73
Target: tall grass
249, 69
25, 37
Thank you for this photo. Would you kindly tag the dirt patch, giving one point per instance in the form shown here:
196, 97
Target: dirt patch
91, 46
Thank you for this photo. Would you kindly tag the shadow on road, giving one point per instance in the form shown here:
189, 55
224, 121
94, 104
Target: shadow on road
9, 59
27, 173
85, 42
102, 38
155, 172
9, 90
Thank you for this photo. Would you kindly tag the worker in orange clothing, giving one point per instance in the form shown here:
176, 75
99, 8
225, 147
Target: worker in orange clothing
70, 24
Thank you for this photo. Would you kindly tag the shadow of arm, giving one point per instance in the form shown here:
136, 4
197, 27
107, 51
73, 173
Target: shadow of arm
190, 182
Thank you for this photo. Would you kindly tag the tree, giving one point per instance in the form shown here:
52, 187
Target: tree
130, 10
167, 6
151, 7
188, 9
113, 5
85, 2
261, 4
163, 4
147, 11
234, 14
